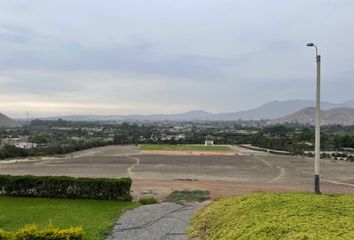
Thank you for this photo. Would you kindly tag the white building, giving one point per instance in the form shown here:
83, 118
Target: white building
209, 140
25, 145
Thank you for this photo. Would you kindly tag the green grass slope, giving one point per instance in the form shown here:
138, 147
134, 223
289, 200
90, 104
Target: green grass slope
95, 216
185, 147
277, 216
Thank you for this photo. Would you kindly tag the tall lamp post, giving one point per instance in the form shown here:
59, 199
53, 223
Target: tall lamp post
318, 112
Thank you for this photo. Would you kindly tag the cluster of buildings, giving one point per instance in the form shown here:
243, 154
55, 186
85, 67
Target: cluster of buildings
19, 142
175, 137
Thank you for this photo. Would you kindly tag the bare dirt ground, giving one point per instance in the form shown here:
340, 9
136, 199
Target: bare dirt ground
222, 175
108, 161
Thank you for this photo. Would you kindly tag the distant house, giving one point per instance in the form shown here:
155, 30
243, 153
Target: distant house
18, 142
209, 141
348, 149
10, 141
25, 145
175, 137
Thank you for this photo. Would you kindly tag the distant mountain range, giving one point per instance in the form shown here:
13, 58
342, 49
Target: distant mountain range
342, 116
7, 122
188, 116
276, 109
271, 110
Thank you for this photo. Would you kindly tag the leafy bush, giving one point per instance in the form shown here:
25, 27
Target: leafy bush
31, 232
65, 187
148, 200
277, 216
4, 235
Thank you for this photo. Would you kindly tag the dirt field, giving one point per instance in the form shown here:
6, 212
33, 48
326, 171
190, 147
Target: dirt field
222, 175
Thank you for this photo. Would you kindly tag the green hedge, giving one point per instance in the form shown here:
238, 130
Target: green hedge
66, 187
31, 232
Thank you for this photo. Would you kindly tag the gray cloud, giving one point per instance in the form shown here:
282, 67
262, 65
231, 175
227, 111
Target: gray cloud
48, 53
215, 55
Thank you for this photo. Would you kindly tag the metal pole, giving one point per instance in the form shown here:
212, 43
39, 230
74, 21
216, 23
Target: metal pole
317, 133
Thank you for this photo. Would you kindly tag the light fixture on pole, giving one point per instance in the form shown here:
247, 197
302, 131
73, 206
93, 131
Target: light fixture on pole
318, 112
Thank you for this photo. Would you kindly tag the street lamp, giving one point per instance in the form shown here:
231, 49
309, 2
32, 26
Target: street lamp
318, 112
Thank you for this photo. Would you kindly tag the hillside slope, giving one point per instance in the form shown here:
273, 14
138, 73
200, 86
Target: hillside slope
342, 116
5, 121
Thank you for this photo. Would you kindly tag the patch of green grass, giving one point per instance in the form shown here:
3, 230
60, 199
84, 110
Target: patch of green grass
277, 216
95, 216
148, 200
185, 147
188, 195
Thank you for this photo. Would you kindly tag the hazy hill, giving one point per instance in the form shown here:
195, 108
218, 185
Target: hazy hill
188, 116
348, 104
5, 121
271, 110
342, 116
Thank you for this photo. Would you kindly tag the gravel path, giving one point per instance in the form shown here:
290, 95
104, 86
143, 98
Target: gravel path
165, 221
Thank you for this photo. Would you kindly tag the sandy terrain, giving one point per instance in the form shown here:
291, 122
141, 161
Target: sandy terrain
222, 175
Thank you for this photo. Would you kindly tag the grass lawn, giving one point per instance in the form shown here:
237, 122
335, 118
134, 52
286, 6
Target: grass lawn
95, 216
277, 216
185, 147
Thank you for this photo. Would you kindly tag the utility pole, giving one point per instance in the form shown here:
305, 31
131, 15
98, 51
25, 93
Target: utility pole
27, 118
318, 121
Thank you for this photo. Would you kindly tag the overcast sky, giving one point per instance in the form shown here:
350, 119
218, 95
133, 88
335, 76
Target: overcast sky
63, 57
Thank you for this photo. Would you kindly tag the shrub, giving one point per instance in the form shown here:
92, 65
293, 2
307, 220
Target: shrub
188, 195
4, 235
276, 216
148, 200
31, 232
65, 187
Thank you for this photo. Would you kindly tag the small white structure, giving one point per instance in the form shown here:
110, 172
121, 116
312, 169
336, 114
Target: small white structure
209, 140
25, 145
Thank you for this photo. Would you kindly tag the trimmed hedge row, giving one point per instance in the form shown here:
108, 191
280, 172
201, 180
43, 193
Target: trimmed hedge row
31, 232
66, 187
